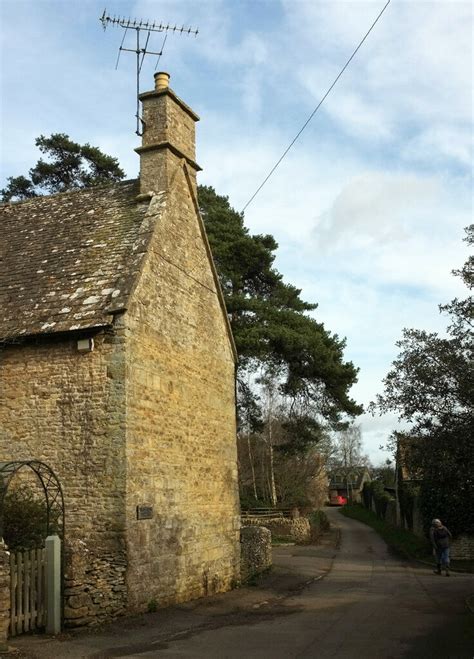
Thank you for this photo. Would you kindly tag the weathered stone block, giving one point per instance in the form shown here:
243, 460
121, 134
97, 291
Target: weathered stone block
74, 613
79, 601
463, 548
292, 530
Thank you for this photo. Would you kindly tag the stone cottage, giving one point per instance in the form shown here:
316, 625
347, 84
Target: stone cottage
346, 485
117, 370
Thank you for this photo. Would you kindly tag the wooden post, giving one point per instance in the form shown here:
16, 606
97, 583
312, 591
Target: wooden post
19, 592
53, 580
40, 587
4, 596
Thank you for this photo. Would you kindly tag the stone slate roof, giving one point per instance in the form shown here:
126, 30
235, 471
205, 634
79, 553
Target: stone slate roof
69, 260
355, 477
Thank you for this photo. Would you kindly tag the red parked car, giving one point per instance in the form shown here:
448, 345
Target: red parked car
338, 500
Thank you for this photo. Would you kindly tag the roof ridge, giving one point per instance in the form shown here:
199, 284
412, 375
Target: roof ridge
101, 186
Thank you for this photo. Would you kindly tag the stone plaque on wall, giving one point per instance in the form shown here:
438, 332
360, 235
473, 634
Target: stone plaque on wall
144, 512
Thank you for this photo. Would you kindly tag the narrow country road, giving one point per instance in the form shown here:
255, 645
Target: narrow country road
371, 605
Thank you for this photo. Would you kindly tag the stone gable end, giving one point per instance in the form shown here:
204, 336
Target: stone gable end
128, 392
181, 449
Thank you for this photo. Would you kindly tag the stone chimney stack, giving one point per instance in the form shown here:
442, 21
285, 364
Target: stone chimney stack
168, 137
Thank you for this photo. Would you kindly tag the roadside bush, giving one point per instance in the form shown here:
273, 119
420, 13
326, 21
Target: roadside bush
248, 502
447, 487
24, 519
319, 523
375, 492
367, 495
301, 480
407, 495
381, 503
319, 519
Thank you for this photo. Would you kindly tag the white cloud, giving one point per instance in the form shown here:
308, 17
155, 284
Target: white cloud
398, 229
368, 206
437, 144
375, 207
362, 117
411, 79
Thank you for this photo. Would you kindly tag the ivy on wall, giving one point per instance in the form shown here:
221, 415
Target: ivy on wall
447, 488
407, 494
374, 492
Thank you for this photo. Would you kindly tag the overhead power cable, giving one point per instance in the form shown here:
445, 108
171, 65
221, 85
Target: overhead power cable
316, 108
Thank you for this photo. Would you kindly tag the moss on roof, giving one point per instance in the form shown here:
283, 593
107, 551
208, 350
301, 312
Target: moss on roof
68, 261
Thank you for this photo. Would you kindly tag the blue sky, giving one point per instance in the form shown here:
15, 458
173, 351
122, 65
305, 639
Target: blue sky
370, 204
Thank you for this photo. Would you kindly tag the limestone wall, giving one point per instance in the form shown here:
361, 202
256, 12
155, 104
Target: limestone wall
167, 119
255, 551
67, 409
283, 528
181, 431
169, 129
145, 421
462, 548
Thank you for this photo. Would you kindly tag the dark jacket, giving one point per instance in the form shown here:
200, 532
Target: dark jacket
440, 537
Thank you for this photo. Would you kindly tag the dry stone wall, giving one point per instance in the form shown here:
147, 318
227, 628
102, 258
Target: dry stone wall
462, 548
283, 528
95, 589
255, 551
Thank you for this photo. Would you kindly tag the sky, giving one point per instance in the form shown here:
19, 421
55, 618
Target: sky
369, 205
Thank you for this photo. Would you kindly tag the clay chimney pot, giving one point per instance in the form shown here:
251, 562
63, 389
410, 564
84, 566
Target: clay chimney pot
162, 80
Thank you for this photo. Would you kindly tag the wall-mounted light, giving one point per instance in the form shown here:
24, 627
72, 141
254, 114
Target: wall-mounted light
85, 345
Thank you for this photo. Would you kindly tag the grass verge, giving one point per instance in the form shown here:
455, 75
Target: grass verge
403, 542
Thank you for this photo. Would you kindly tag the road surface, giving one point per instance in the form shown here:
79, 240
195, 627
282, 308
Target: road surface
371, 604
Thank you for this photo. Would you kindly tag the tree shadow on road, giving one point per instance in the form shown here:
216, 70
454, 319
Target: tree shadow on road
453, 640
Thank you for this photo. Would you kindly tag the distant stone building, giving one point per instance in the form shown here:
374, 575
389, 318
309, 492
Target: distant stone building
117, 370
346, 485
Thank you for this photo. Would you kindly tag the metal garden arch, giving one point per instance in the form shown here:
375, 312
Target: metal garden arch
51, 488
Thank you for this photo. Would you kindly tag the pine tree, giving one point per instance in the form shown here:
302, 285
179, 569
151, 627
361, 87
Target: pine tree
69, 166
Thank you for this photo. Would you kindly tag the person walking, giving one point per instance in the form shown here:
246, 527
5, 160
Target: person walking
440, 538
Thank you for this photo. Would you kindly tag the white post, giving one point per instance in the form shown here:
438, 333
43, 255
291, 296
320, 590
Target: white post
53, 580
5, 595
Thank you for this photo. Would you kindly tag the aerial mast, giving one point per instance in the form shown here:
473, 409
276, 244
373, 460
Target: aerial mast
142, 26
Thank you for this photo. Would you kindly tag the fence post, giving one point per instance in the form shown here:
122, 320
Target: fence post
4, 596
53, 580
